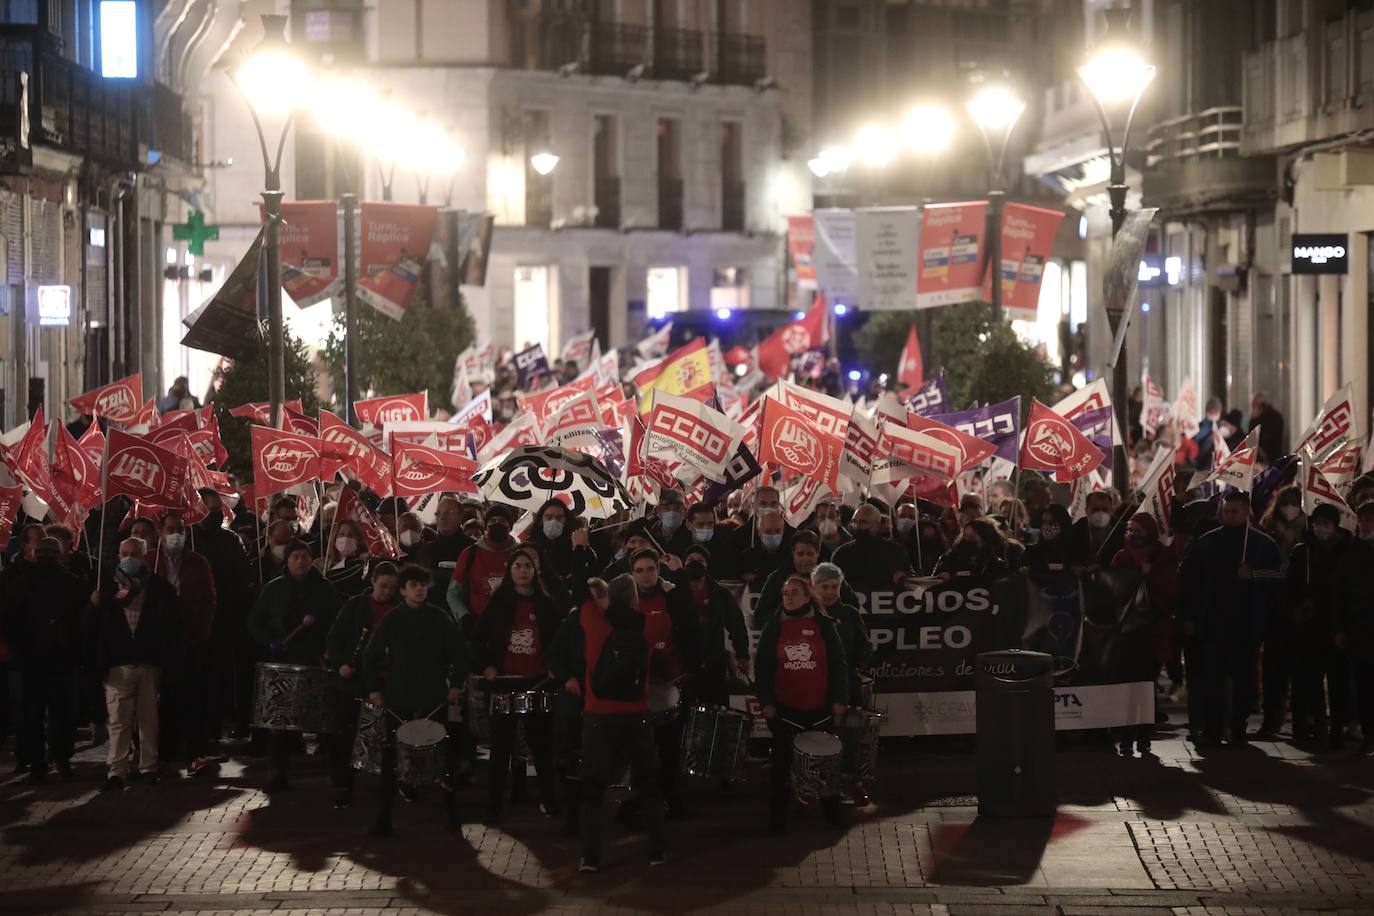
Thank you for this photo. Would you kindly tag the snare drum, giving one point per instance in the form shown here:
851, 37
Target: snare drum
521, 703
419, 749
816, 764
665, 702
295, 698
371, 737
869, 735
713, 740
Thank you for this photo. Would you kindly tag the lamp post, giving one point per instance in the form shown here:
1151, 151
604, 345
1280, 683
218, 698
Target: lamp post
927, 130
1114, 75
271, 80
995, 110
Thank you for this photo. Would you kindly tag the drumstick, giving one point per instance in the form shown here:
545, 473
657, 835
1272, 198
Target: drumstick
306, 623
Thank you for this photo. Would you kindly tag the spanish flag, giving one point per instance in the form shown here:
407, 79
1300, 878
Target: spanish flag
685, 372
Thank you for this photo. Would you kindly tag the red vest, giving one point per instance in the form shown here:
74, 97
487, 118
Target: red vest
802, 680
595, 629
524, 654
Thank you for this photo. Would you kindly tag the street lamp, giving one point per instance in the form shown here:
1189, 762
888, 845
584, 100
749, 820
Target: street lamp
995, 110
832, 160
544, 161
875, 144
1114, 75
928, 129
273, 81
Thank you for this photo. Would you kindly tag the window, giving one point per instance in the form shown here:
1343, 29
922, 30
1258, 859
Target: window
667, 291
729, 288
119, 39
1335, 62
532, 307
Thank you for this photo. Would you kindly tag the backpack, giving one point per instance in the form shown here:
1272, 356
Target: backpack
621, 669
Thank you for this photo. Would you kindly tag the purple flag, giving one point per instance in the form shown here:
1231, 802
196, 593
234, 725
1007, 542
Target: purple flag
999, 424
1096, 426
931, 398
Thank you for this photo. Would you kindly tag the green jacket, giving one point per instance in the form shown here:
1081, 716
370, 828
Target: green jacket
421, 654
766, 662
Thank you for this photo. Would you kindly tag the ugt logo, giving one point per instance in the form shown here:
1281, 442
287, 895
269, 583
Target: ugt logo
797, 445
139, 469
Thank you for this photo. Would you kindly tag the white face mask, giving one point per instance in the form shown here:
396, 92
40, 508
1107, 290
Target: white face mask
279, 552
346, 546
827, 528
1290, 513
1099, 519
174, 542
410, 537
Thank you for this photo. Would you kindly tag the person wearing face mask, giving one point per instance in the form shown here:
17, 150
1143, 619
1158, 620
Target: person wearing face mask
42, 623
826, 521
411, 538
979, 553
719, 617
185, 687
513, 639
633, 540
828, 582
1230, 581
802, 679
1285, 522
769, 553
802, 559
1046, 561
747, 537
702, 526
1095, 539
358, 619
481, 567
871, 563
1330, 572
136, 625
272, 560
345, 563
278, 625
440, 555
670, 530
1158, 563
232, 575
1206, 430
565, 551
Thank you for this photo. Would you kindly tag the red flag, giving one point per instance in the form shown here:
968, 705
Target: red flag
546, 404
117, 402
293, 421
146, 416
972, 450
172, 423
92, 442
282, 459
142, 471
260, 412
790, 440
417, 470
380, 544
808, 333
74, 473
395, 409
10, 498
910, 371
1052, 443
343, 447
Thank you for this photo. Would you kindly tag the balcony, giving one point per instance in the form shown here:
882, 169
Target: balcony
69, 107
607, 203
739, 59
677, 54
732, 206
670, 204
1193, 164
617, 48
173, 133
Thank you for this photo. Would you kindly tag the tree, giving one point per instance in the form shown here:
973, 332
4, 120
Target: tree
399, 357
982, 362
242, 382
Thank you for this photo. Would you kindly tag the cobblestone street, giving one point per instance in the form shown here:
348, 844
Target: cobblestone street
1260, 830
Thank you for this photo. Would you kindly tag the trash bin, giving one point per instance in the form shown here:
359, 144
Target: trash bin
1015, 741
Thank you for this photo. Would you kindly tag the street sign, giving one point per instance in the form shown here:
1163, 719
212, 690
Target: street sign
1320, 253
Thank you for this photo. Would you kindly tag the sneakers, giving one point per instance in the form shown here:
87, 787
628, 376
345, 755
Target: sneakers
858, 795
112, 784
589, 865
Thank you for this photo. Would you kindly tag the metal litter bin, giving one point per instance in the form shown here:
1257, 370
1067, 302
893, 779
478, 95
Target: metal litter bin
1015, 740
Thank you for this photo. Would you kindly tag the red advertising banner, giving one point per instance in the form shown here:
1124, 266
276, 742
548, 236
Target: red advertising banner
951, 254
801, 243
310, 250
396, 240
1027, 240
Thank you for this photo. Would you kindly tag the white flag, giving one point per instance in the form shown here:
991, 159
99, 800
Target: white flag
684, 430
1236, 469
461, 392
1187, 409
1317, 491
655, 345
579, 348
1333, 425
1089, 398
1158, 491
1341, 465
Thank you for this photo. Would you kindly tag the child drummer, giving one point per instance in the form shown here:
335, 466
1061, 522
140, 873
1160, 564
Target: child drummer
424, 658
803, 680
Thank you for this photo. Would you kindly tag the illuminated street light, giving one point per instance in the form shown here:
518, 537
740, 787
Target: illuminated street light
544, 162
875, 145
1116, 74
928, 129
995, 110
837, 159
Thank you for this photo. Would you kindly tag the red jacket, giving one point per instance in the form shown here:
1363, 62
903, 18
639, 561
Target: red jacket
195, 590
1162, 585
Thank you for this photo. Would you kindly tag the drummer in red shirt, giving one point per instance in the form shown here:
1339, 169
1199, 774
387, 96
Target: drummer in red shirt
511, 640
673, 658
802, 678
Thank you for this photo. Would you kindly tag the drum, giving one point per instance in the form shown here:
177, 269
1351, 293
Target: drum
521, 703
665, 702
870, 734
368, 743
419, 750
479, 708
816, 764
295, 698
865, 697
713, 741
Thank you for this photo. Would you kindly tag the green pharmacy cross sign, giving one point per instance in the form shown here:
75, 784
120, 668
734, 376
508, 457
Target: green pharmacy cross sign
195, 233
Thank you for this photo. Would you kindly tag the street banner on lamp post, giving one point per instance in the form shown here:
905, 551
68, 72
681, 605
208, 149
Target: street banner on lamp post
835, 255
951, 255
801, 243
1027, 240
396, 240
227, 323
888, 240
310, 250
1123, 274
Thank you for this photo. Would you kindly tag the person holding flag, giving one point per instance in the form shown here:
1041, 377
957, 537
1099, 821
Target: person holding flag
1157, 561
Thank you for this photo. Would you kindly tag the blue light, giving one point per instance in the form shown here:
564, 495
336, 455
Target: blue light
724, 314
1144, 306
855, 374
841, 308
798, 315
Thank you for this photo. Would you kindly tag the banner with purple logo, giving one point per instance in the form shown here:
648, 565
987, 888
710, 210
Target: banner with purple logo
931, 398
999, 424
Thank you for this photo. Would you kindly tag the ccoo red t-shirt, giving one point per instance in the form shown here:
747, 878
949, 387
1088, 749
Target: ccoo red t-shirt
481, 570
802, 678
666, 663
595, 629
524, 653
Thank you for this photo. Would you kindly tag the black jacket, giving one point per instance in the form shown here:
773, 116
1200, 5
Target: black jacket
769, 601
347, 638
43, 612
723, 618
421, 653
868, 563
283, 606
491, 633
766, 662
155, 642
234, 578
